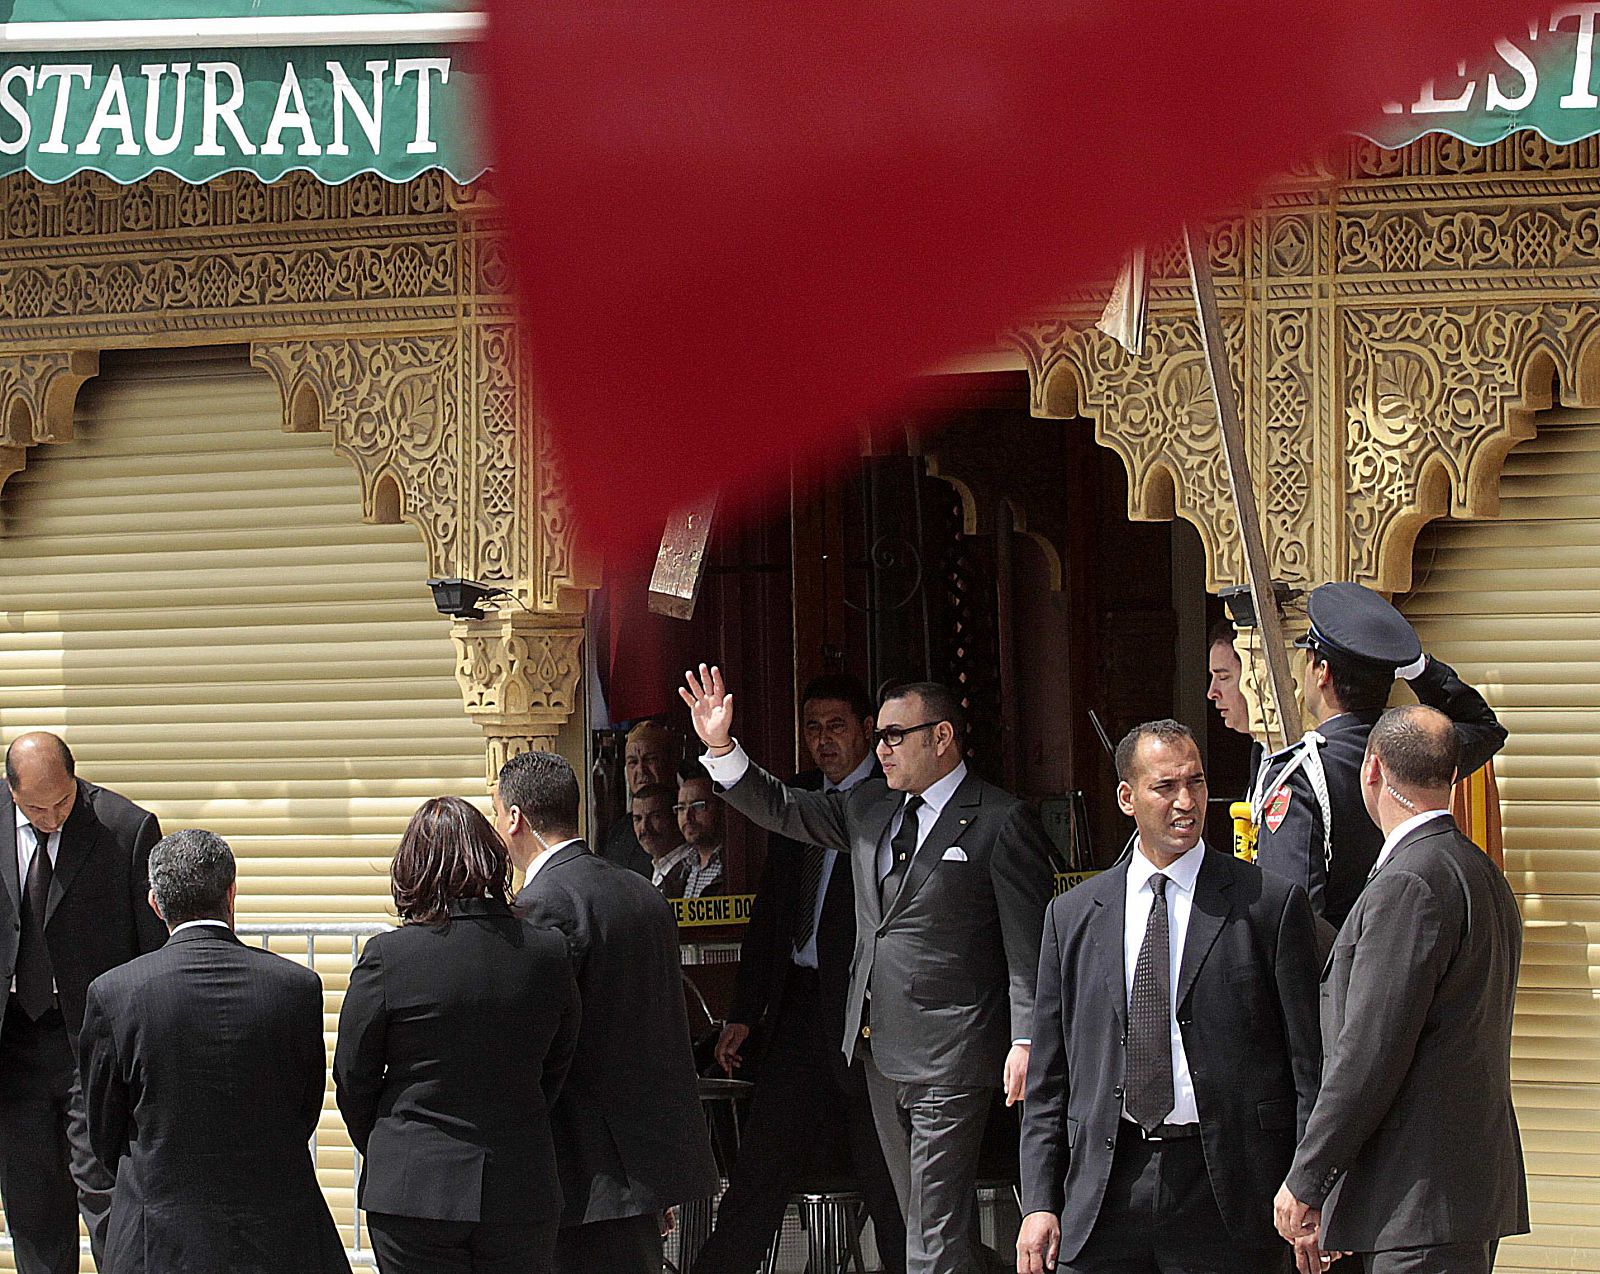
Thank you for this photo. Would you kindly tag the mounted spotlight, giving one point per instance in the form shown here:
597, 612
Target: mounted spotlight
1242, 608
463, 598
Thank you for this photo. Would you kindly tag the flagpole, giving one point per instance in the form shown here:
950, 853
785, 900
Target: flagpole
1257, 569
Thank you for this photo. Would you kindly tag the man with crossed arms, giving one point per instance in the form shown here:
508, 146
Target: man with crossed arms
951, 878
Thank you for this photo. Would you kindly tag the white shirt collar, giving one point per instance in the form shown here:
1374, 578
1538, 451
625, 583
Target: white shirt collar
659, 870
1182, 871
937, 795
544, 856
1405, 829
191, 924
855, 776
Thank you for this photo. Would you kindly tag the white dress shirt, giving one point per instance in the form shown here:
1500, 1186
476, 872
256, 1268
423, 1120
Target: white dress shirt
934, 798
1400, 833
25, 847
806, 956
544, 856
190, 924
660, 868
1181, 876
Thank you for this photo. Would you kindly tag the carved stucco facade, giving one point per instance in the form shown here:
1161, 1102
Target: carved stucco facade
1394, 319
381, 313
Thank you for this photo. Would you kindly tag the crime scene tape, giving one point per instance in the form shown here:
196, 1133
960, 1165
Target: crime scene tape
1066, 880
721, 909
734, 909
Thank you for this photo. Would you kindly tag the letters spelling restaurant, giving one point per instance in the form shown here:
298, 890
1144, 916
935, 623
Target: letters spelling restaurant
260, 382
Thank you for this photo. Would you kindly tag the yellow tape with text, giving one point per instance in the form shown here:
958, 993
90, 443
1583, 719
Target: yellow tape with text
734, 909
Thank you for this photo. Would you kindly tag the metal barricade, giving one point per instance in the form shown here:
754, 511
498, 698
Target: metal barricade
305, 943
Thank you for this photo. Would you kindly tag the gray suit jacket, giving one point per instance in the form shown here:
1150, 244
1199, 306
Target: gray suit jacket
1413, 1141
951, 967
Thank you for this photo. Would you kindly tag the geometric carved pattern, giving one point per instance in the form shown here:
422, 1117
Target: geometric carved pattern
386, 402
380, 310
1394, 318
520, 675
37, 393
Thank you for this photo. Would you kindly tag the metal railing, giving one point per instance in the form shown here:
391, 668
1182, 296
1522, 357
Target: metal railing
300, 942
304, 943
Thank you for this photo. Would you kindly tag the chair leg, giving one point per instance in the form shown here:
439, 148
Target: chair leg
770, 1264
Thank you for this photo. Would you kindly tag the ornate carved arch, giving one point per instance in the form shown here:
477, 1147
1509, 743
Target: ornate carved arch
37, 393
1154, 411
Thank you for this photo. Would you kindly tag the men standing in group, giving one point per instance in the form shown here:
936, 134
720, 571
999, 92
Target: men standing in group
203, 1073
951, 879
702, 824
1412, 1157
794, 972
1175, 1045
650, 758
630, 1138
1312, 827
76, 887
655, 831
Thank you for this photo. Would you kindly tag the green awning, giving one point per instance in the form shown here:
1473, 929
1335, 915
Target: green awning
333, 87
1545, 82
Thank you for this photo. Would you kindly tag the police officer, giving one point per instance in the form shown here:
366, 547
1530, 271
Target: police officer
1312, 825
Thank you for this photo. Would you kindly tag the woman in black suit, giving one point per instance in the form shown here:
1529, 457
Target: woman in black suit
455, 1035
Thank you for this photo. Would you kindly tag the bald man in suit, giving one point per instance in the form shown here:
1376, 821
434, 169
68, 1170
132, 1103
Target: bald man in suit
67, 915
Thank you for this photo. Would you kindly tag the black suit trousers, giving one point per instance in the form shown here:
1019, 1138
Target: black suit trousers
1160, 1216
810, 1115
47, 1170
419, 1245
623, 1245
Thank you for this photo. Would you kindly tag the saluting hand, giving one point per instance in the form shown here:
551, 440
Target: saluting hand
710, 708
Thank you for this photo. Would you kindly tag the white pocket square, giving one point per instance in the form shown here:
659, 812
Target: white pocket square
955, 854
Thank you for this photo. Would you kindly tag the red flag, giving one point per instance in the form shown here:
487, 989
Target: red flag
740, 229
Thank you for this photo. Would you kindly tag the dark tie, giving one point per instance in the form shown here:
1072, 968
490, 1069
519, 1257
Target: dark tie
35, 978
805, 921
1150, 1096
901, 851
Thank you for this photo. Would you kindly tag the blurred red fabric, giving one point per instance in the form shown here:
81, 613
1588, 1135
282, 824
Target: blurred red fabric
740, 229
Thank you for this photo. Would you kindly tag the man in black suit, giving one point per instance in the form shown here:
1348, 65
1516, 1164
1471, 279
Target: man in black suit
1412, 1156
794, 973
1175, 1045
74, 911
631, 1140
203, 1071
951, 879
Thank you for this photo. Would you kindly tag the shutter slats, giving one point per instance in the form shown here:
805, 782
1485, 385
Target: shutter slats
189, 596
1514, 604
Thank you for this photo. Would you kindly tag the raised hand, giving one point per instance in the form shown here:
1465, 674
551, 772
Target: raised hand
710, 707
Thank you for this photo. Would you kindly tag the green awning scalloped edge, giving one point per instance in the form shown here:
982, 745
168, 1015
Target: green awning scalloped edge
1544, 83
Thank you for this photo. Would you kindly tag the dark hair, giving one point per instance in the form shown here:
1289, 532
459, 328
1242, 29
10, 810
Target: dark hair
190, 873
450, 851
1418, 746
843, 686
650, 791
67, 762
1359, 687
691, 770
1167, 730
543, 786
1222, 633
939, 701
